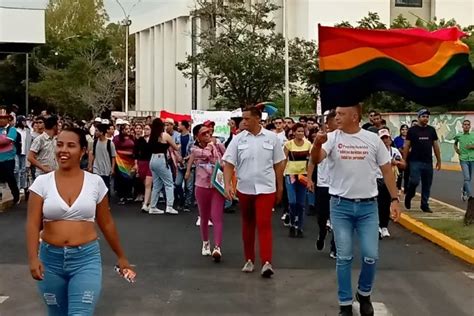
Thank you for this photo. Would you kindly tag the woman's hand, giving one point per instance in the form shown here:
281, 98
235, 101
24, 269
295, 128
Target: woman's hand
126, 269
36, 269
310, 185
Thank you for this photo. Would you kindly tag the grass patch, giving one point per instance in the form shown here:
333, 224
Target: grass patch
453, 228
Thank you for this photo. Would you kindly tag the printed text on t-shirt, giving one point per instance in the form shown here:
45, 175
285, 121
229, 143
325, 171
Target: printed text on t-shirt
352, 152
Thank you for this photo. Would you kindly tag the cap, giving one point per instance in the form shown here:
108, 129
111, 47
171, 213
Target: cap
209, 123
423, 112
105, 121
98, 120
169, 120
384, 132
119, 122
125, 122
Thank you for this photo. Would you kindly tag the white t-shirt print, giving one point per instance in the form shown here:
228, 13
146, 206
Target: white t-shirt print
353, 161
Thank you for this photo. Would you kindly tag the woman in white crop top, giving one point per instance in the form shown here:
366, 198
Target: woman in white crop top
67, 203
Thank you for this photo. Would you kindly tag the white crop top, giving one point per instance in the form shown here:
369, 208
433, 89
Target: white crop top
84, 207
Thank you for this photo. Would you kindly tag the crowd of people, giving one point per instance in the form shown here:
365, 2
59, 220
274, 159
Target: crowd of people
349, 176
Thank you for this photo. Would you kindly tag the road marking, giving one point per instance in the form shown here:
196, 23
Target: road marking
446, 204
470, 275
379, 309
3, 299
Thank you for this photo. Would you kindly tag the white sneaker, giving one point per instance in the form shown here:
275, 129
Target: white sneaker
155, 211
209, 223
248, 267
206, 248
267, 270
283, 217
385, 232
217, 254
172, 211
198, 222
144, 208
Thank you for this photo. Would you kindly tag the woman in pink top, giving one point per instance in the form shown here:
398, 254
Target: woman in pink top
204, 155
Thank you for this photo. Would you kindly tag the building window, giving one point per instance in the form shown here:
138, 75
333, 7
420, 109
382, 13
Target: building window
409, 3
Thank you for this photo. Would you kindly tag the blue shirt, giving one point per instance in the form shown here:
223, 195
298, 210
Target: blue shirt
184, 140
7, 151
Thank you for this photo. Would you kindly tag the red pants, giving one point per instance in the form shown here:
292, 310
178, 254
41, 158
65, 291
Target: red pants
256, 212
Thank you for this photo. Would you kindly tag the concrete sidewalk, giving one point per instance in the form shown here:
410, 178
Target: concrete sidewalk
413, 220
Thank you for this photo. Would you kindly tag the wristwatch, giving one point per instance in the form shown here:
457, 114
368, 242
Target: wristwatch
395, 199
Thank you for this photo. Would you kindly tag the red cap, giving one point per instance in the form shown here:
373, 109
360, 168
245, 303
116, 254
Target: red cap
209, 123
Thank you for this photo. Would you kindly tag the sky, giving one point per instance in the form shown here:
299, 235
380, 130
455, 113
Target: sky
113, 9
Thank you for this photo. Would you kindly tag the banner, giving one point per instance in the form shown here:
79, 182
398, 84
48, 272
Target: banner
221, 118
176, 117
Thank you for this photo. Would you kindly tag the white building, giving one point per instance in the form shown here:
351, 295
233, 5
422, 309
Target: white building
164, 38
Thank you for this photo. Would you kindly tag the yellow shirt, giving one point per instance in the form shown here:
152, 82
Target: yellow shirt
297, 157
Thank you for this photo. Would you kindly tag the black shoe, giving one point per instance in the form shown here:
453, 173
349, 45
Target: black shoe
320, 244
292, 231
286, 221
366, 308
345, 310
426, 209
299, 233
407, 202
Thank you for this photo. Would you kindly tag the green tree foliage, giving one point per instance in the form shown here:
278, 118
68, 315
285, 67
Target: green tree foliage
241, 56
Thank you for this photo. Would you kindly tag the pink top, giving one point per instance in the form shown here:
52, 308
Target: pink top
205, 160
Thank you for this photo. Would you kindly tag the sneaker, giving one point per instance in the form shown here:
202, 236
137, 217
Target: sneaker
385, 232
139, 198
464, 196
209, 223
283, 217
292, 232
328, 225
267, 270
286, 220
299, 233
407, 202
366, 308
333, 254
155, 211
320, 244
345, 310
248, 266
206, 248
216, 254
186, 209
426, 209
171, 211
380, 233
122, 201
144, 208
198, 222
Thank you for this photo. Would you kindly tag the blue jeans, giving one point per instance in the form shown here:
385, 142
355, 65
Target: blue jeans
185, 195
348, 217
162, 176
20, 171
420, 171
467, 167
72, 278
296, 198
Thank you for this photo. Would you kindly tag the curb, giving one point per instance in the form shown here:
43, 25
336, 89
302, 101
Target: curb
451, 245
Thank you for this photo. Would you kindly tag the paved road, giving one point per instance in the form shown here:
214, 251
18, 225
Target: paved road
415, 277
447, 187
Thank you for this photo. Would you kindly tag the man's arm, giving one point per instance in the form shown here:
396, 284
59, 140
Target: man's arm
456, 147
228, 173
389, 179
437, 152
279, 169
406, 149
32, 159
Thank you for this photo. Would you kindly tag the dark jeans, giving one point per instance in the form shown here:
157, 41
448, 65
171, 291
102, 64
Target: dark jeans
383, 200
424, 171
322, 212
406, 177
7, 175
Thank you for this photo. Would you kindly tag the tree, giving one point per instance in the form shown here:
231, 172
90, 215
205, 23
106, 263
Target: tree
241, 56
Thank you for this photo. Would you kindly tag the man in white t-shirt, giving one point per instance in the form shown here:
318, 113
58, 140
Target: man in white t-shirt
354, 155
280, 130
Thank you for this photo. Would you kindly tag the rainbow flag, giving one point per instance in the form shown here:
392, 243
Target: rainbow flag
124, 165
429, 68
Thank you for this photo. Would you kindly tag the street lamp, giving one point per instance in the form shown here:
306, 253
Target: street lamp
287, 63
126, 22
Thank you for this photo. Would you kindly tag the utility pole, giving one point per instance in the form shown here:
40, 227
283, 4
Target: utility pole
287, 63
27, 85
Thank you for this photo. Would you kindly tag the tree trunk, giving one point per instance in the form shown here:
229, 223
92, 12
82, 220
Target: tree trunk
469, 216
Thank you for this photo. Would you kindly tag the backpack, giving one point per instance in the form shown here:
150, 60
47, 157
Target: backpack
17, 141
109, 147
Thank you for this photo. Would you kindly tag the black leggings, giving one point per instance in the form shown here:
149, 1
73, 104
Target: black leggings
7, 175
323, 213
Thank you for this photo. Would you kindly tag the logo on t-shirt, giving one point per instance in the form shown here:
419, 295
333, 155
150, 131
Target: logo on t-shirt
352, 152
